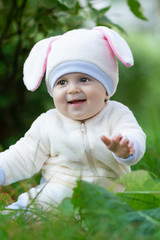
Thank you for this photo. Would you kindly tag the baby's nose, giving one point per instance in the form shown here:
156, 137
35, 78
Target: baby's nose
73, 88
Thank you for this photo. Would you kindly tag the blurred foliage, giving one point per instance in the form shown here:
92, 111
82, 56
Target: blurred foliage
93, 213
136, 8
139, 86
22, 24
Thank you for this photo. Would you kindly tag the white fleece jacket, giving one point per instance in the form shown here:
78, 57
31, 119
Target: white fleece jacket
66, 150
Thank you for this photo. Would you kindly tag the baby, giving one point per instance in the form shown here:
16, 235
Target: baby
87, 136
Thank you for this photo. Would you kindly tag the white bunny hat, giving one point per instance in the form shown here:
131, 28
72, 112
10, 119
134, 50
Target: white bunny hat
87, 51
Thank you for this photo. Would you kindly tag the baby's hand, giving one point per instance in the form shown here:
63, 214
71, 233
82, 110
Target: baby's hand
120, 145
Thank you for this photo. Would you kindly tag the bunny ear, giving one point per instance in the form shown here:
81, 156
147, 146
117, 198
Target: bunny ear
35, 64
119, 46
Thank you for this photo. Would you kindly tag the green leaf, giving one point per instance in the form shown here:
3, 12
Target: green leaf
142, 191
101, 212
105, 21
102, 11
66, 207
47, 3
136, 9
96, 205
68, 3
147, 223
139, 180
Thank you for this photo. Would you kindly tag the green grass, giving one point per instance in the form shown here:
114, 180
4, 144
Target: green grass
93, 213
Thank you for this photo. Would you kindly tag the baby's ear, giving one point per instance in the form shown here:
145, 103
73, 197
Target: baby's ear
107, 97
118, 45
35, 64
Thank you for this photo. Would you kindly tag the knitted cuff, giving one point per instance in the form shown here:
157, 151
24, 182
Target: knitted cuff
2, 176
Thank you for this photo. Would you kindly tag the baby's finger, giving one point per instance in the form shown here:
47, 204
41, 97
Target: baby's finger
132, 151
117, 138
105, 140
130, 144
124, 142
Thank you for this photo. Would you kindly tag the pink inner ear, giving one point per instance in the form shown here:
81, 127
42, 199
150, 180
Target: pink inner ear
45, 62
112, 46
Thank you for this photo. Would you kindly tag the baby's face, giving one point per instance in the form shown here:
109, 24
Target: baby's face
79, 96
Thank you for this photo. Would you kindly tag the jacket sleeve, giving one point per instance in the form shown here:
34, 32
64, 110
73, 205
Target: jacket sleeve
2, 177
124, 122
27, 156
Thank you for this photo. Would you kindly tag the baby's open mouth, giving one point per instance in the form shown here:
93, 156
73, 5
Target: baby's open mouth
77, 101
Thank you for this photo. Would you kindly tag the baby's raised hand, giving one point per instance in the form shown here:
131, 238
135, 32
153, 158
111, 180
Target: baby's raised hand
120, 145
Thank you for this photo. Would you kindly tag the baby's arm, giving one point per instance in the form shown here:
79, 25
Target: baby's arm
25, 158
120, 145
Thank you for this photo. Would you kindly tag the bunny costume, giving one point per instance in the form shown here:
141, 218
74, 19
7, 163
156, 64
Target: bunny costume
64, 149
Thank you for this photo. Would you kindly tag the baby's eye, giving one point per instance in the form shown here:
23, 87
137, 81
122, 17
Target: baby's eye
84, 79
61, 82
